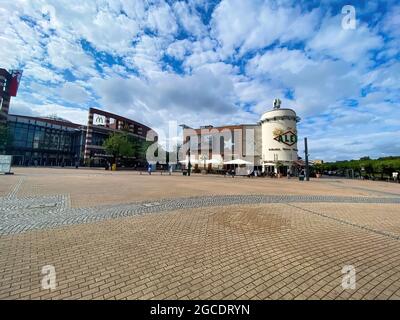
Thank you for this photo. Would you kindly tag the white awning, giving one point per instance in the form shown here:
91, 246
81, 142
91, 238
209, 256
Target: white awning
285, 163
238, 162
193, 161
214, 161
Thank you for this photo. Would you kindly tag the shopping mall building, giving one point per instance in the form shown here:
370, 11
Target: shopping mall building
270, 145
52, 141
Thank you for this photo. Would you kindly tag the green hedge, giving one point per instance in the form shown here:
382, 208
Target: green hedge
365, 166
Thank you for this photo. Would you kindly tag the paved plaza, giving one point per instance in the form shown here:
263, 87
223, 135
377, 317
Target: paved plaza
122, 235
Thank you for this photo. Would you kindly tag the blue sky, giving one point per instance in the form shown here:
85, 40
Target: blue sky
213, 62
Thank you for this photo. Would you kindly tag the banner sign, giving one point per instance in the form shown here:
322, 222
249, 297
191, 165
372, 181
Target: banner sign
5, 163
14, 83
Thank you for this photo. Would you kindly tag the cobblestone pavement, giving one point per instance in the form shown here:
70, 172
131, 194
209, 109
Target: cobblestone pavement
386, 193
291, 245
22, 214
92, 188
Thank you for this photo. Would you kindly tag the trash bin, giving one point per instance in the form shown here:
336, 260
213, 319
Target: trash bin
301, 178
184, 173
114, 167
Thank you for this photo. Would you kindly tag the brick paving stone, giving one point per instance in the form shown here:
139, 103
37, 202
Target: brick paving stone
278, 239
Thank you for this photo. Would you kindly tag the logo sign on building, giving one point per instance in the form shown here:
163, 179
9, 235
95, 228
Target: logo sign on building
14, 83
99, 120
287, 137
5, 163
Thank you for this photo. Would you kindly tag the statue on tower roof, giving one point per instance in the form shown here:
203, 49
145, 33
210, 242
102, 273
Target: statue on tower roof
277, 103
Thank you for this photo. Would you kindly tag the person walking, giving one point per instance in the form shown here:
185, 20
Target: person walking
249, 173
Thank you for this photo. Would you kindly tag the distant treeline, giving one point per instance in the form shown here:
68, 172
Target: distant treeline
383, 167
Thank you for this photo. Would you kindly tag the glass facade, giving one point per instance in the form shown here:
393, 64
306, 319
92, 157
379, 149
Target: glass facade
36, 141
97, 152
98, 138
41, 142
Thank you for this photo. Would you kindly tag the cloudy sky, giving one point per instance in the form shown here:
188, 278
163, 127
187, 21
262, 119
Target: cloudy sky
213, 62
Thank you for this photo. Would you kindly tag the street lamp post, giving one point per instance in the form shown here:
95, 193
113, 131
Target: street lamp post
189, 164
184, 126
204, 157
306, 156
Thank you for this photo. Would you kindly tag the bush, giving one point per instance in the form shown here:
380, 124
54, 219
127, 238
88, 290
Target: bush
366, 167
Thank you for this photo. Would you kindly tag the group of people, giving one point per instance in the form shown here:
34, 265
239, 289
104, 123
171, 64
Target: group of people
250, 173
150, 169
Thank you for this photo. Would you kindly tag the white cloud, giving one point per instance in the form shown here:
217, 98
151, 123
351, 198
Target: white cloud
35, 70
162, 20
203, 91
72, 92
277, 61
251, 25
350, 45
352, 145
201, 52
146, 55
189, 19
63, 54
193, 99
385, 77
75, 115
391, 22
111, 32
260, 95
179, 49
317, 84
19, 42
198, 59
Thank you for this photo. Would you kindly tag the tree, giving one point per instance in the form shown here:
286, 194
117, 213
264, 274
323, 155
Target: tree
140, 146
318, 168
5, 137
118, 145
377, 167
367, 166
